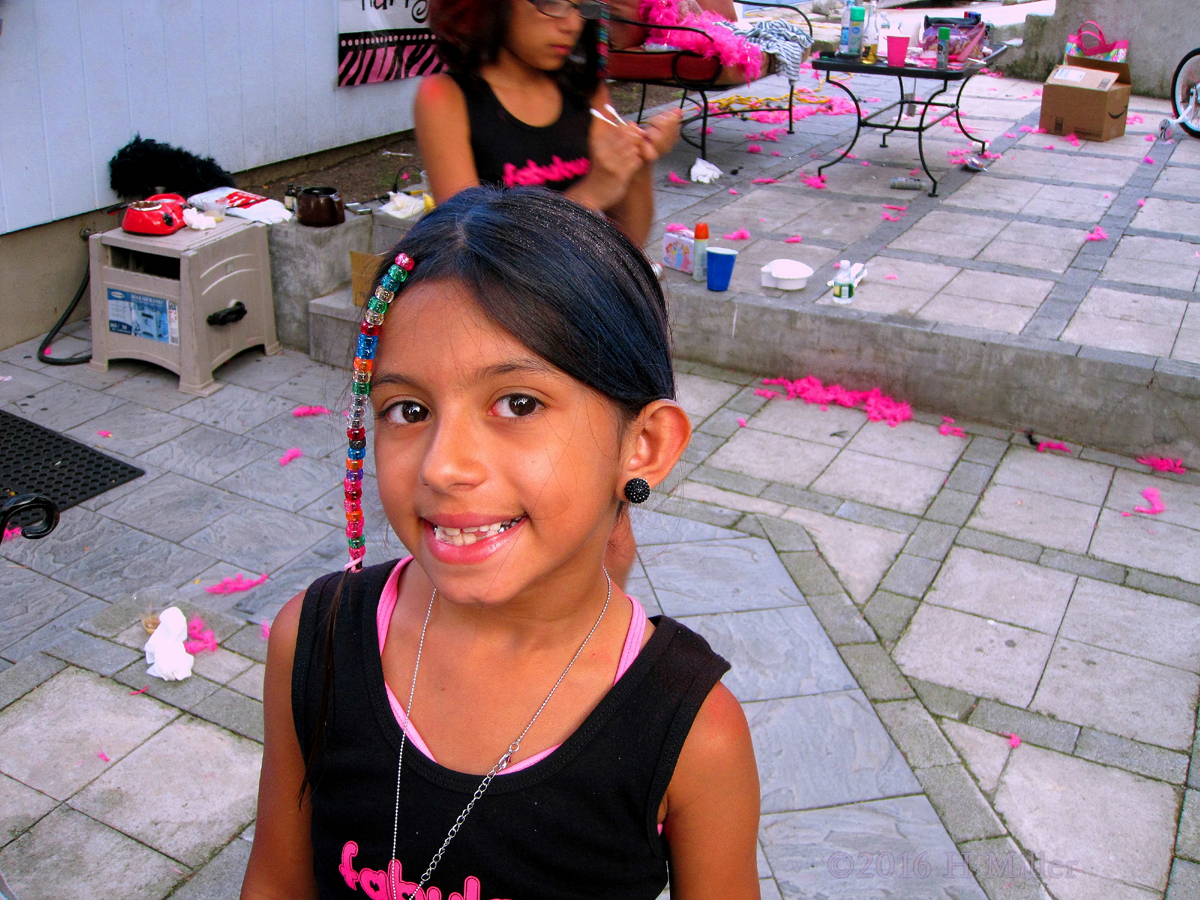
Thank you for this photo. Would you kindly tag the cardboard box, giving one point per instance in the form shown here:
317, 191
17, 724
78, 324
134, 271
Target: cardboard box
678, 247
1086, 97
363, 267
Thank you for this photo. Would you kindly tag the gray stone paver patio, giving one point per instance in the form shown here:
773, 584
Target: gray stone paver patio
895, 602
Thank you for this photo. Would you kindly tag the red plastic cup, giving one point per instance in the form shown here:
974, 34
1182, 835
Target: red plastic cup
897, 49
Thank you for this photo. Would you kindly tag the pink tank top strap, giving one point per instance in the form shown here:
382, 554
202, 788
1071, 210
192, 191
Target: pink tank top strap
383, 619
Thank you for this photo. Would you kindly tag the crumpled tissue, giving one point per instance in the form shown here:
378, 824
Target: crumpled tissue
198, 220
704, 172
403, 206
164, 651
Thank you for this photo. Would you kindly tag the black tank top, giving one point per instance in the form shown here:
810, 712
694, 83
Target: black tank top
580, 823
508, 152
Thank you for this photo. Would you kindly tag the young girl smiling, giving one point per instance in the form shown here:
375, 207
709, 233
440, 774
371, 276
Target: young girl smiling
561, 744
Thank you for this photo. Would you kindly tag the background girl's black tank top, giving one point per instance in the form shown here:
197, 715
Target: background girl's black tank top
581, 823
508, 152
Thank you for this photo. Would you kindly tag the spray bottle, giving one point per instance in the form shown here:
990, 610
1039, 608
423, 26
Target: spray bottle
943, 48
858, 14
700, 253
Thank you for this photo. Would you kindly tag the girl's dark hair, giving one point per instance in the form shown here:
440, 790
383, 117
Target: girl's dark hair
470, 33
561, 280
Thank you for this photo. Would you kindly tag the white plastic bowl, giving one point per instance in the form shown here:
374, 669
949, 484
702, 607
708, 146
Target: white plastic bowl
785, 275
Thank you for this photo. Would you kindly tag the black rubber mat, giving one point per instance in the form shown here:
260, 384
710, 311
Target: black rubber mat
36, 460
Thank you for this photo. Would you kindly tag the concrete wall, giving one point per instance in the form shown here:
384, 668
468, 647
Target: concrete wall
1159, 32
40, 270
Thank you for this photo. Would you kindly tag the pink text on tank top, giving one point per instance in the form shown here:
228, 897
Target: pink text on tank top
533, 174
377, 883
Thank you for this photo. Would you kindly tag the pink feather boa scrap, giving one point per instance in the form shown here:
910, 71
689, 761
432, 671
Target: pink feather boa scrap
733, 50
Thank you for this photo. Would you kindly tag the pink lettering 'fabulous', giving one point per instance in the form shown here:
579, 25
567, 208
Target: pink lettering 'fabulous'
557, 170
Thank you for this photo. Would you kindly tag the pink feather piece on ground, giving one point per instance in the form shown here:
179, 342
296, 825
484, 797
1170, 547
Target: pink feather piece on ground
914, 171
776, 153
887, 217
675, 227
1009, 134
1014, 741
988, 154
815, 181
732, 191
949, 429
1147, 160
864, 163
1163, 464
794, 239
675, 179
891, 276
289, 455
1096, 234
202, 640
104, 433
1048, 147
763, 392
1072, 140
1149, 139
1028, 129
1141, 203
142, 691
877, 406
754, 148
1154, 499
1135, 119
102, 756
11, 534
1043, 446
266, 630
301, 411
741, 423
232, 585
740, 235
851, 156
894, 206
764, 181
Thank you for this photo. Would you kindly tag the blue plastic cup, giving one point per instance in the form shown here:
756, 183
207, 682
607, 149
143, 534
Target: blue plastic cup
720, 267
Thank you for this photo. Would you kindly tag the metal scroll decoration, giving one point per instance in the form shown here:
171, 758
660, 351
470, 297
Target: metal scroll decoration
21, 506
383, 40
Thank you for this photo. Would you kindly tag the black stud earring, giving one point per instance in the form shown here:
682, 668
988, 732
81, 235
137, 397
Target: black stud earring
637, 490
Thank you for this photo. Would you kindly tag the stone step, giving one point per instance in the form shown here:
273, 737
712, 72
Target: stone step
333, 328
1121, 402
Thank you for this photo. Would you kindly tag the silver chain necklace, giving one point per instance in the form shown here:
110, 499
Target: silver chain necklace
500, 765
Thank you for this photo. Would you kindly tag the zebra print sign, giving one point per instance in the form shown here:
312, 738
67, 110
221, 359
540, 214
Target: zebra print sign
382, 40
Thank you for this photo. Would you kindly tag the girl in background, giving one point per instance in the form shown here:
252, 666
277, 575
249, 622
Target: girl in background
516, 109
493, 717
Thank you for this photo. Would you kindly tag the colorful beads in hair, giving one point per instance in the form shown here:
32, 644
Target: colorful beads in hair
360, 388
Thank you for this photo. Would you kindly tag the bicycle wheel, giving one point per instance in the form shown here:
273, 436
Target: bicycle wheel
1187, 77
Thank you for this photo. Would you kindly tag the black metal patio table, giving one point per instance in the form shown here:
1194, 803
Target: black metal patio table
961, 74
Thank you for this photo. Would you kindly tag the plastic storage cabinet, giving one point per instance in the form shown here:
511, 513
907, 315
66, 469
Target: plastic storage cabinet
187, 301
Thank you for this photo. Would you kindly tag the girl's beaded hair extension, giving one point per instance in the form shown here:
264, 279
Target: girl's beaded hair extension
356, 431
